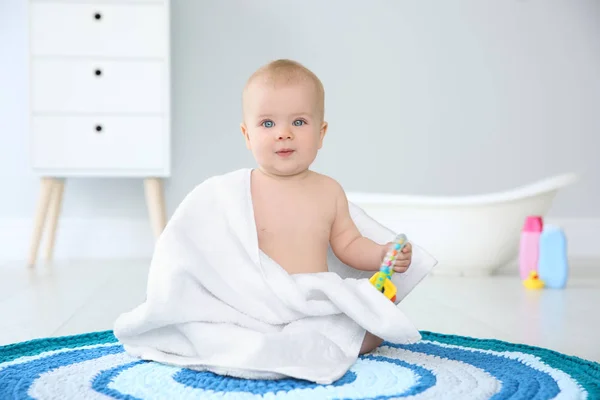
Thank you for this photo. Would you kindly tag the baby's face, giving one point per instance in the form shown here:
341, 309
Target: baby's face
283, 127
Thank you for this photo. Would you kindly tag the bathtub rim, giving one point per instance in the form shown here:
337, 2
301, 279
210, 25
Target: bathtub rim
533, 189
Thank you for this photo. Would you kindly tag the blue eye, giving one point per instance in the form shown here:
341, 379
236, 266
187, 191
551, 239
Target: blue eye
298, 122
268, 124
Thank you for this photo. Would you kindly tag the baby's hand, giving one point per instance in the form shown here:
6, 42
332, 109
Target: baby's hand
403, 260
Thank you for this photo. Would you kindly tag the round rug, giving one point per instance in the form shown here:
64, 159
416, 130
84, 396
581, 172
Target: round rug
94, 366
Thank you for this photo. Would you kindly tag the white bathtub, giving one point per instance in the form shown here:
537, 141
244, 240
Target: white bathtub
470, 235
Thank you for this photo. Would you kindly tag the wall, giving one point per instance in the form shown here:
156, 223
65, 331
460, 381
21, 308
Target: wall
461, 99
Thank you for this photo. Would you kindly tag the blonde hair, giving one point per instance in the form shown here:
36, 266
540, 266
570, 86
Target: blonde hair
286, 72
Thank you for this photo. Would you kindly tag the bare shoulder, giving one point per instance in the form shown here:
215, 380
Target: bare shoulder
333, 194
329, 185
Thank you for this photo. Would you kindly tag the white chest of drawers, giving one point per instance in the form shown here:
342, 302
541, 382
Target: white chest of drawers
99, 98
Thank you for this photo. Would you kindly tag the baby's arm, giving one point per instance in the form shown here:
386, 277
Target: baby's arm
348, 244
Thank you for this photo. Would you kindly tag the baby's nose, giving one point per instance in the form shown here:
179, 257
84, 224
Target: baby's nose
284, 135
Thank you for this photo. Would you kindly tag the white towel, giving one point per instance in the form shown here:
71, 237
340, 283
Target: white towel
216, 303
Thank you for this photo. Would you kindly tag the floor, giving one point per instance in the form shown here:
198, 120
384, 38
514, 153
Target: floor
76, 297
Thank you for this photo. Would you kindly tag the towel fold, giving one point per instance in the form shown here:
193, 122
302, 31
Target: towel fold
215, 302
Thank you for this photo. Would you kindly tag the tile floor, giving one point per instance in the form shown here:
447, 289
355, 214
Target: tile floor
76, 297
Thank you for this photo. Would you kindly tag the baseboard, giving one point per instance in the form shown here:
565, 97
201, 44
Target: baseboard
132, 239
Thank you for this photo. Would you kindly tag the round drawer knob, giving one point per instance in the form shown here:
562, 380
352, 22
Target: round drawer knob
98, 128
97, 16
98, 72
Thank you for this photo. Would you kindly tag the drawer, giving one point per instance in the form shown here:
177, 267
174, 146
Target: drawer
92, 143
98, 86
99, 29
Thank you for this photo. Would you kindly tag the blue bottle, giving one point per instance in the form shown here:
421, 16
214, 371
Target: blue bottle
553, 263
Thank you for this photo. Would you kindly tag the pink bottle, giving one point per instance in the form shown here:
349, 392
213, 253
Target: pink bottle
530, 245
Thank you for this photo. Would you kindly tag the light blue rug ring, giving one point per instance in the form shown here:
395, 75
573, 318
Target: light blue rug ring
94, 365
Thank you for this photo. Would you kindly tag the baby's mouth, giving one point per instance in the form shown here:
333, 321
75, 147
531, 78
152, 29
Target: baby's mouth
284, 152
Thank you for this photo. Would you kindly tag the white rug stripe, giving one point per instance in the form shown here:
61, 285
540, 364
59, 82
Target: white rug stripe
455, 379
568, 387
75, 381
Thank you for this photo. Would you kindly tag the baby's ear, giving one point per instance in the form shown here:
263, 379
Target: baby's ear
323, 131
244, 130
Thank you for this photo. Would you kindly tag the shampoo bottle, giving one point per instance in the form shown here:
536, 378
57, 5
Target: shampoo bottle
529, 246
553, 264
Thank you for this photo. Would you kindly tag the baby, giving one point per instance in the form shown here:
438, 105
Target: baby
300, 213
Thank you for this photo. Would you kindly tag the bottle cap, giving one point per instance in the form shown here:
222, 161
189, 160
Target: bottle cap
533, 223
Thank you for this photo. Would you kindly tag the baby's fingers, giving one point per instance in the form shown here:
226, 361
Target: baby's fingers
401, 265
407, 248
403, 257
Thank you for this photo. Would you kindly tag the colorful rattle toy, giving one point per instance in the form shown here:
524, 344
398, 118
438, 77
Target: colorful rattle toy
382, 280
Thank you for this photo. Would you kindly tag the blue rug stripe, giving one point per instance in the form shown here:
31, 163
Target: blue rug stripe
224, 384
585, 372
17, 379
519, 381
36, 346
103, 379
210, 381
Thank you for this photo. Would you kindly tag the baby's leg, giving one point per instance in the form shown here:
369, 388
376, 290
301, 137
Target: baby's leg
370, 343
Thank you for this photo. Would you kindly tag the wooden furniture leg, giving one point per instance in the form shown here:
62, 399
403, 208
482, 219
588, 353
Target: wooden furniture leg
155, 199
58, 188
46, 185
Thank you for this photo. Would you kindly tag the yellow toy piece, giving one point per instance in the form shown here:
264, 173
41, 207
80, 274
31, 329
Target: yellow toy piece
533, 282
382, 280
